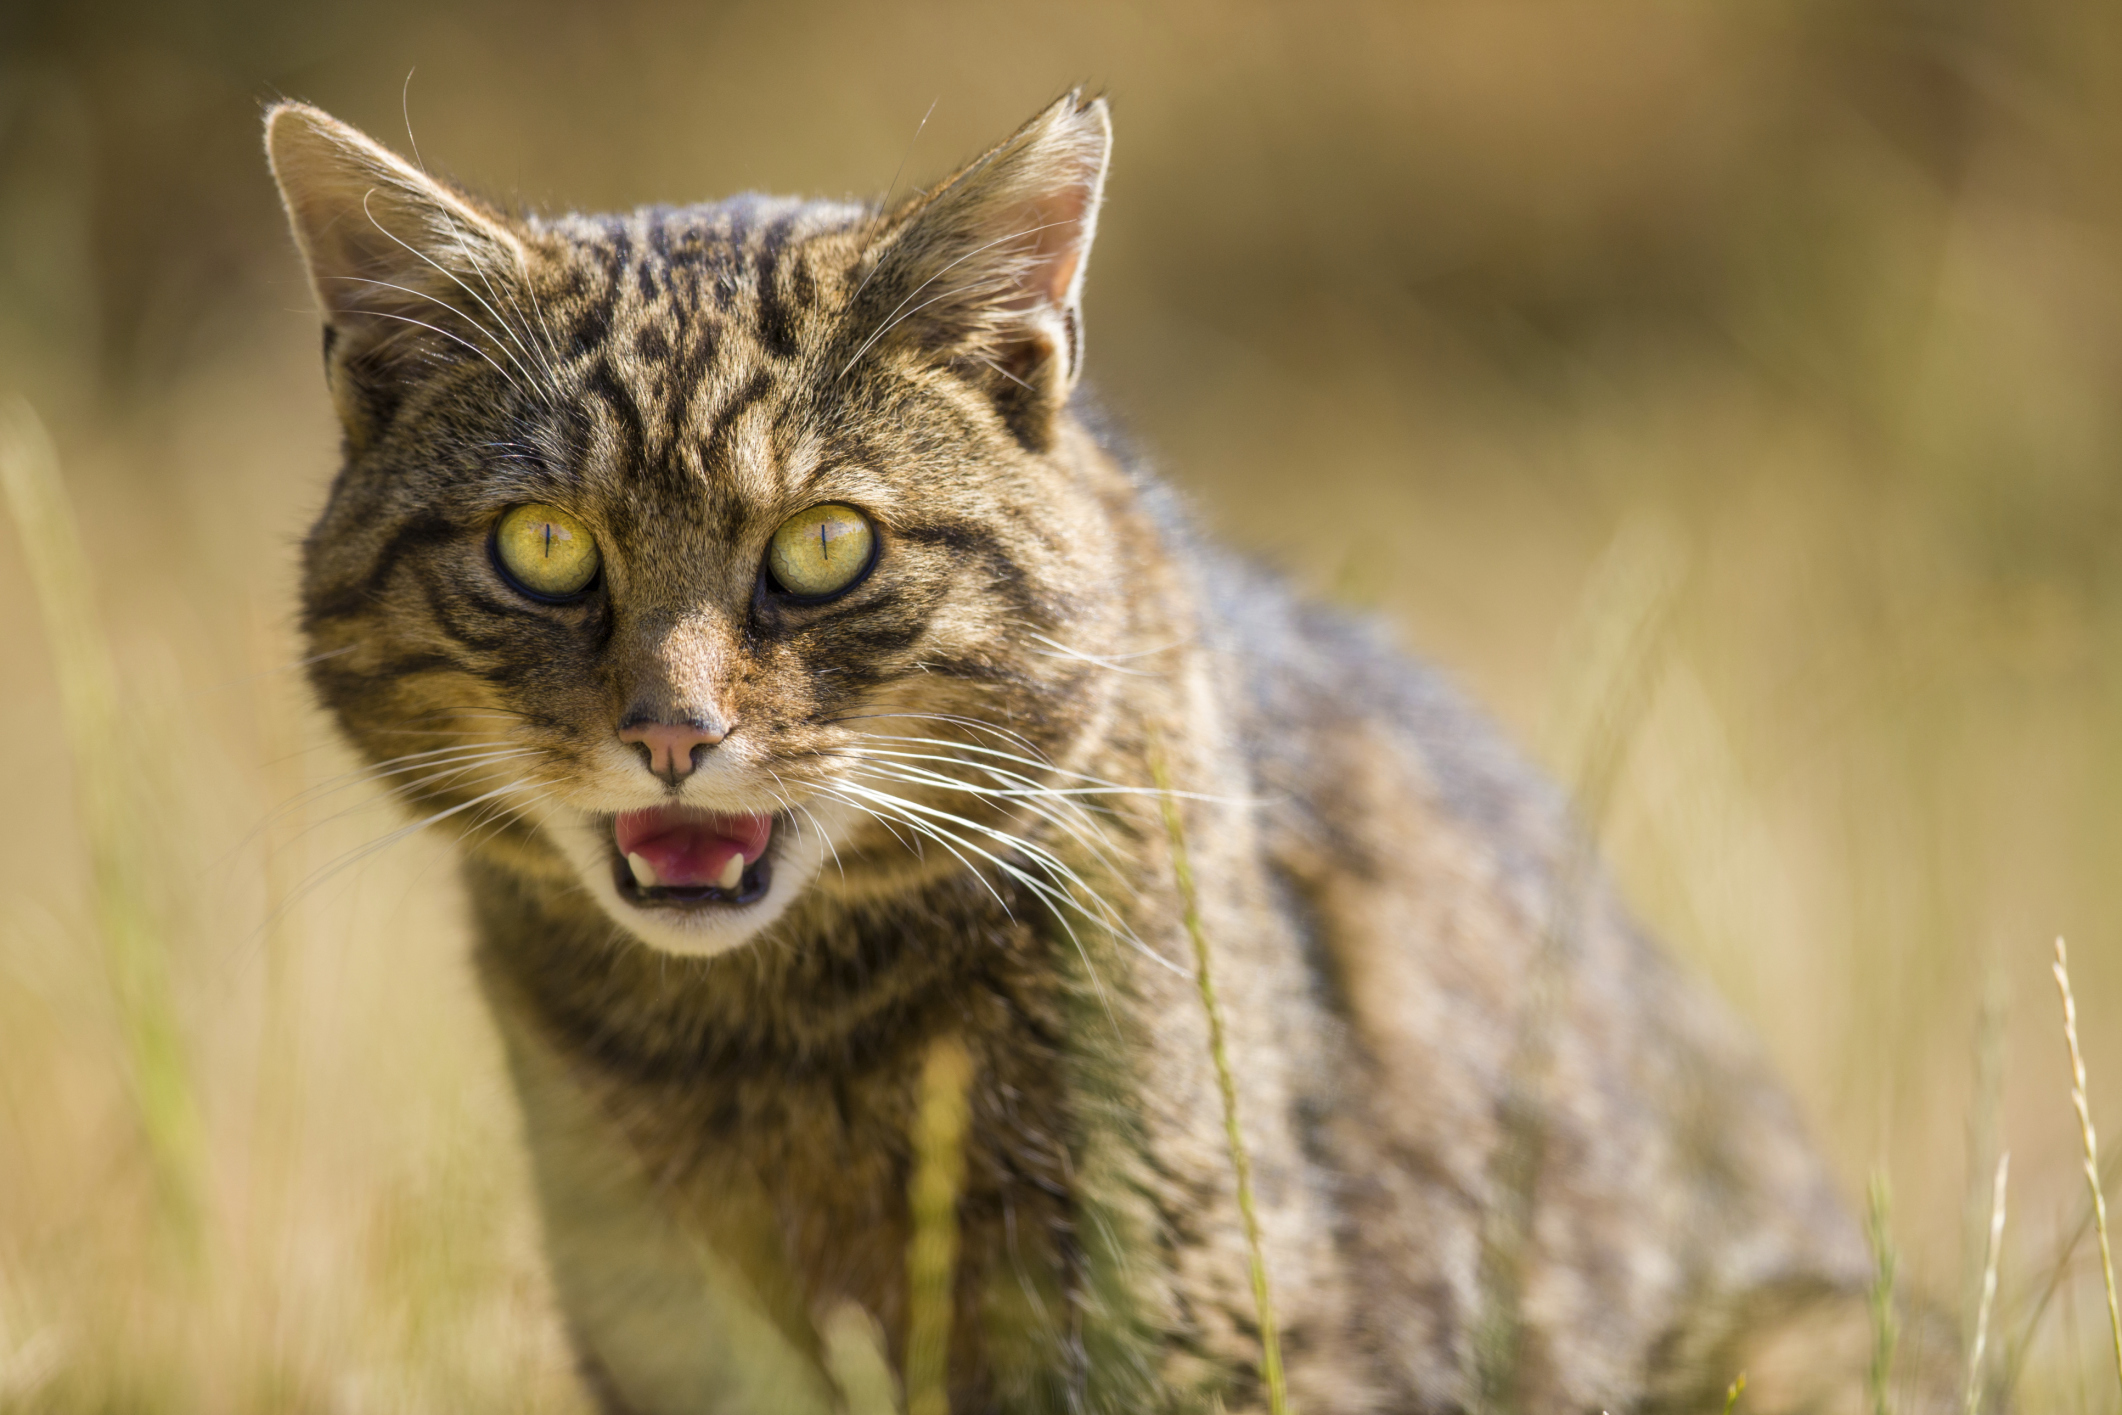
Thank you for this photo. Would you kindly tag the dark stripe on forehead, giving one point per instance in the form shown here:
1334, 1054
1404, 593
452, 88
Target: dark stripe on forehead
699, 334
652, 271
618, 248
593, 322
802, 284
604, 384
777, 330
716, 455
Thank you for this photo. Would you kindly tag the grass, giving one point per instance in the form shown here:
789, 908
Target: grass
101, 729
1978, 1349
221, 1257
1233, 1132
2095, 1191
932, 1258
210, 1325
1507, 288
223, 1190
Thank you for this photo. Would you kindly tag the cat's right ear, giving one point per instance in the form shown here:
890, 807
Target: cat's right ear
408, 271
986, 271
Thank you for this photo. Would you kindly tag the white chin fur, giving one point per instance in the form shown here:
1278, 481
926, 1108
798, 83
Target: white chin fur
797, 855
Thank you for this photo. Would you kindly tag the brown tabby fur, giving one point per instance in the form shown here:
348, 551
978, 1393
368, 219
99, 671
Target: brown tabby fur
1507, 1158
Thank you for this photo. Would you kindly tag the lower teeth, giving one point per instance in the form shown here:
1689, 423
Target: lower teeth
730, 881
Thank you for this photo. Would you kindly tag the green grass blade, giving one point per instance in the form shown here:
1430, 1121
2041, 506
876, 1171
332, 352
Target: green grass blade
97, 736
932, 1256
1241, 1161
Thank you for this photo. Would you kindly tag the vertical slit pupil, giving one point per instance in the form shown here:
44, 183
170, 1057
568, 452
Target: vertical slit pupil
548, 528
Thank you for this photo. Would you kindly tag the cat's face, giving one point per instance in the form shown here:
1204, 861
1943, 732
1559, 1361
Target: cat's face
707, 557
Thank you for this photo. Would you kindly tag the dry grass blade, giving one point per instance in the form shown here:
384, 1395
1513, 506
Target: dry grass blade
134, 951
2092, 1147
1241, 1161
2057, 1270
1992, 1255
932, 1255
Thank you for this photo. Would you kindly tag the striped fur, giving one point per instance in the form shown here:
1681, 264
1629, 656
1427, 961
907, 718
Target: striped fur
957, 754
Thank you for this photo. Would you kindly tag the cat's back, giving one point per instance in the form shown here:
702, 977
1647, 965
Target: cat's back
1557, 1146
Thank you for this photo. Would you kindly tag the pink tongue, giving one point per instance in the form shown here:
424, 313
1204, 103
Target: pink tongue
689, 848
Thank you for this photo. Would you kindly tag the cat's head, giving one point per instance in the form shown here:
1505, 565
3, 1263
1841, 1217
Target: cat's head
705, 556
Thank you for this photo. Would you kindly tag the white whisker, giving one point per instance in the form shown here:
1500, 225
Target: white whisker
894, 319
1064, 893
1110, 662
407, 319
456, 310
452, 276
353, 857
1058, 901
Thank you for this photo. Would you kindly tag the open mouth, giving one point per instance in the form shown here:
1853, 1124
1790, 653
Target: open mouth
675, 857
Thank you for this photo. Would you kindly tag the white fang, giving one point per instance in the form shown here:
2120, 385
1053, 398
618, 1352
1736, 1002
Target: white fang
644, 872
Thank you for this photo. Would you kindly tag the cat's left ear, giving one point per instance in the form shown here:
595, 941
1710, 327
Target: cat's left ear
410, 272
987, 270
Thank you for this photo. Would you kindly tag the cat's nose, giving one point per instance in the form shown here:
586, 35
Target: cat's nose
672, 749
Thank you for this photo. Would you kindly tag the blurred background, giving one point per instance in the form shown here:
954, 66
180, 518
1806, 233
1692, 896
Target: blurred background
1776, 342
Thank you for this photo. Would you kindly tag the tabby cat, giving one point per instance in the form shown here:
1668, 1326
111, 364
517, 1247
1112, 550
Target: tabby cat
795, 655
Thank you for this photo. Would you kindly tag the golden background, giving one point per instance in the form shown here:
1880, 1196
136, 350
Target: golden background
1746, 371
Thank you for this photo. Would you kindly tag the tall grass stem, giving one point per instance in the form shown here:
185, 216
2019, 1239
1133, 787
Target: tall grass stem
2092, 1148
1240, 1159
1992, 1255
932, 1253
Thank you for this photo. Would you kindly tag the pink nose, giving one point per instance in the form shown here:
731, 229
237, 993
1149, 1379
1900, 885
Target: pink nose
671, 747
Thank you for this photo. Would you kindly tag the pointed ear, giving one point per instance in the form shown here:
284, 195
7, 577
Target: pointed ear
987, 270
408, 271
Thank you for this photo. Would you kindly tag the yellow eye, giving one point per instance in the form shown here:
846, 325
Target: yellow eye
546, 551
821, 551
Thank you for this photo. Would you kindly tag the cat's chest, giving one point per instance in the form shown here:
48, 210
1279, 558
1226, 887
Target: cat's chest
772, 1190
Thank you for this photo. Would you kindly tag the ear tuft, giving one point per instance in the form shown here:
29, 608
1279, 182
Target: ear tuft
403, 266
987, 269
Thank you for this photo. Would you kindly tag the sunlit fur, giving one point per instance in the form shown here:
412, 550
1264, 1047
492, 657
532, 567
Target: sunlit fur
1506, 1156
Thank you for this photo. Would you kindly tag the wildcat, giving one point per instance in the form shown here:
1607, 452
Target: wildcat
794, 656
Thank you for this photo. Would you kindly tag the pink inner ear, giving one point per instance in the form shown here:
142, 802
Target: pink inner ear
1058, 245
